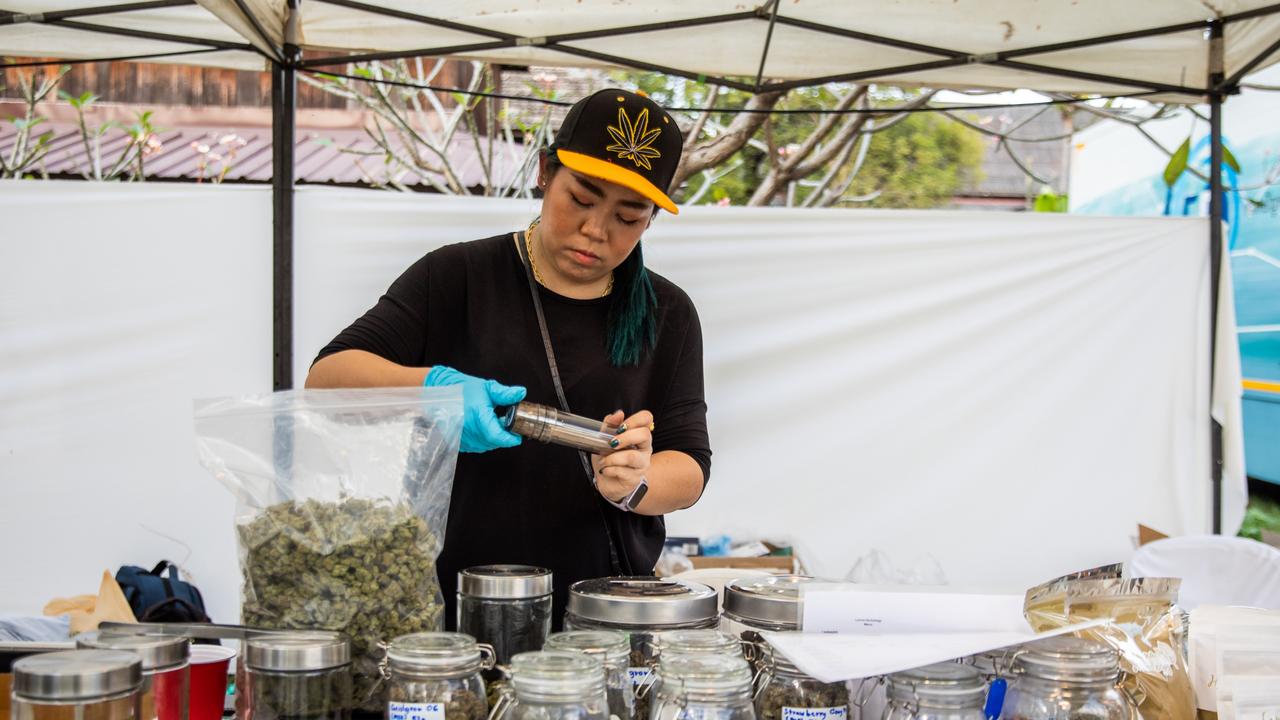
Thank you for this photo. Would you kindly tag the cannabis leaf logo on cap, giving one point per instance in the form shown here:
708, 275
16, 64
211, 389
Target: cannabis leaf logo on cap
634, 141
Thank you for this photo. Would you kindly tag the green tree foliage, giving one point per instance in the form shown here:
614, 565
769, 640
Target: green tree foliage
919, 163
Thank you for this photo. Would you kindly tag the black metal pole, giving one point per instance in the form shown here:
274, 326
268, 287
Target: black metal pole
284, 87
1215, 252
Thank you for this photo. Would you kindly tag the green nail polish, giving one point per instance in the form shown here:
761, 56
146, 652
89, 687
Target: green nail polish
613, 443
621, 429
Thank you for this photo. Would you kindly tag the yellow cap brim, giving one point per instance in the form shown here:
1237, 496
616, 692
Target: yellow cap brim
617, 175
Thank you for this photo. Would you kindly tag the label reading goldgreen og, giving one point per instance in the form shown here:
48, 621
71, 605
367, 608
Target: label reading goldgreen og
415, 711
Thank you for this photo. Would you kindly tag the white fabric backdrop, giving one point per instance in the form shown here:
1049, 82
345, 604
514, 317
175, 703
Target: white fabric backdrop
1010, 393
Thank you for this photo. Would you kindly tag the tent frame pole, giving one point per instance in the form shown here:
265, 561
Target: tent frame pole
284, 88
1215, 253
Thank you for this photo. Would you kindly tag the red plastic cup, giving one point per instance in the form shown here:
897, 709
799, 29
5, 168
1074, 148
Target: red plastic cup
209, 665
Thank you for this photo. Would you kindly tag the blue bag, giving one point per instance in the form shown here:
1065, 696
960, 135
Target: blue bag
160, 594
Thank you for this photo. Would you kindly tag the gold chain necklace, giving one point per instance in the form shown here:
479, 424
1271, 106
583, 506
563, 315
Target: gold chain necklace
528, 248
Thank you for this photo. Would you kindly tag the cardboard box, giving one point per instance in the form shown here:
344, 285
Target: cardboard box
779, 565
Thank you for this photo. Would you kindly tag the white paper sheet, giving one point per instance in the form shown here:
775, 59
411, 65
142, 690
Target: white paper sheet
839, 657
880, 610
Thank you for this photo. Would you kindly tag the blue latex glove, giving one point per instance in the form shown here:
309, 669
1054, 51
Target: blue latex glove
481, 431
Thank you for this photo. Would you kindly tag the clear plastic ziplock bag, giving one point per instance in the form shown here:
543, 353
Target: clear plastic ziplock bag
1146, 628
342, 499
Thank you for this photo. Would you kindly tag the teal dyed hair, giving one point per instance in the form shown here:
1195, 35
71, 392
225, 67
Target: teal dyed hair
632, 325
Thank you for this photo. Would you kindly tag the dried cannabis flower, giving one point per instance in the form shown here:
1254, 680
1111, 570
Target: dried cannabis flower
360, 567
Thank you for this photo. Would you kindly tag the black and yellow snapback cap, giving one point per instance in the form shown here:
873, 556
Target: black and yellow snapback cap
623, 138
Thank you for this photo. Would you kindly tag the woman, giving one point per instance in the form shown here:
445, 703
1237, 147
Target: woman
626, 343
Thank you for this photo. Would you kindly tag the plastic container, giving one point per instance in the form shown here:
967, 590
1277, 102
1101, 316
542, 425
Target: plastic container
505, 606
644, 608
166, 678
614, 651
1067, 677
298, 675
436, 676
786, 693
945, 691
554, 685
703, 687
78, 685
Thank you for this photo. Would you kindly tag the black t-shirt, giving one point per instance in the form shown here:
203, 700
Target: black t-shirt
468, 306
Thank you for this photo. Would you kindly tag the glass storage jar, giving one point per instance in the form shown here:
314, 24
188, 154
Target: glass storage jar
613, 649
1067, 677
77, 685
702, 687
644, 608
554, 685
945, 691
761, 604
505, 606
166, 677
699, 642
436, 676
786, 693
298, 675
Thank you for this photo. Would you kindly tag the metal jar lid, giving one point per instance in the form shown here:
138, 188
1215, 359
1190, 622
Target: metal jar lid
73, 675
300, 651
775, 599
642, 601
504, 582
158, 652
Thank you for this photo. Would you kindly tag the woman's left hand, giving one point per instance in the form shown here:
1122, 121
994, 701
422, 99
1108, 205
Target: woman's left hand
618, 473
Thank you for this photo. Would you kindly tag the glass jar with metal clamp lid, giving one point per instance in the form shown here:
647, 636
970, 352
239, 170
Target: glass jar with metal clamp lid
165, 672
78, 685
297, 675
944, 691
1067, 677
644, 608
614, 651
786, 693
703, 687
436, 676
554, 685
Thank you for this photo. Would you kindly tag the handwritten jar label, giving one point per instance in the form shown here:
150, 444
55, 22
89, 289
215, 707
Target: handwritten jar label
828, 713
415, 711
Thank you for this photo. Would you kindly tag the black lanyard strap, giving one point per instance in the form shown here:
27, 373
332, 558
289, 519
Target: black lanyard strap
615, 561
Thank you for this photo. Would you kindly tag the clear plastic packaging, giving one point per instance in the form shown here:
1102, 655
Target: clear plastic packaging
1146, 629
614, 651
944, 691
296, 676
1068, 678
703, 687
786, 693
165, 672
343, 498
554, 685
77, 685
436, 676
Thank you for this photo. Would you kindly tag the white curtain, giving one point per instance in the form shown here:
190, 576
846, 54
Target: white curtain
1010, 394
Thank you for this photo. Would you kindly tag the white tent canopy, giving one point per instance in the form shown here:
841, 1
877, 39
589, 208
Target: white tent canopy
1077, 46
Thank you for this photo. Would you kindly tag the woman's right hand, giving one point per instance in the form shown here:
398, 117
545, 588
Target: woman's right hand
481, 431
